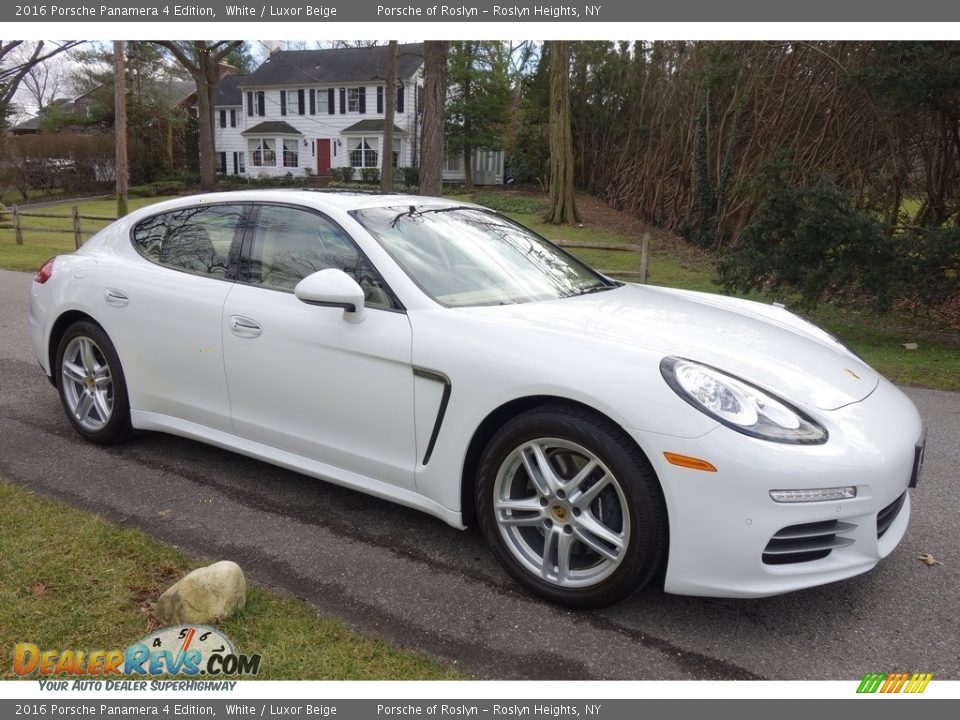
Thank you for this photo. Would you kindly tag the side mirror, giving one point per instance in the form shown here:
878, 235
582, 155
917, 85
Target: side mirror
332, 288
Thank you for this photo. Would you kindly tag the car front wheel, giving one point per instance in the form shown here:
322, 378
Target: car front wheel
571, 507
91, 384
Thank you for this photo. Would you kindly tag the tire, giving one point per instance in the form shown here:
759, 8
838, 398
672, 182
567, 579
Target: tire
91, 384
603, 528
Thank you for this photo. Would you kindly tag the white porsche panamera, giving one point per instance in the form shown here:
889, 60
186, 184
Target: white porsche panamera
604, 435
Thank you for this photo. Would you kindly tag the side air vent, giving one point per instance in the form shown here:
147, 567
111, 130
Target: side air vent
886, 516
806, 542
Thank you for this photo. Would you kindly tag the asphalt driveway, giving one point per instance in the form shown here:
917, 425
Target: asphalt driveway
410, 578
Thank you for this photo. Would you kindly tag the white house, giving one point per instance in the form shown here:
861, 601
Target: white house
307, 111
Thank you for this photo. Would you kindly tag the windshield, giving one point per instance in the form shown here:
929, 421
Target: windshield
465, 256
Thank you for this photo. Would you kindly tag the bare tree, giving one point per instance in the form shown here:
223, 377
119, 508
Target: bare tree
389, 107
202, 58
434, 102
563, 205
47, 82
14, 67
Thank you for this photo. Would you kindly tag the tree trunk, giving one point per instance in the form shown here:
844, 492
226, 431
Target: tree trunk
389, 108
434, 104
120, 126
563, 206
467, 96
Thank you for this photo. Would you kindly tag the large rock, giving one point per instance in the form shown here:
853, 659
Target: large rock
204, 596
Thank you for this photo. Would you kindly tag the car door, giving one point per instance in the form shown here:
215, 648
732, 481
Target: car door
301, 377
164, 316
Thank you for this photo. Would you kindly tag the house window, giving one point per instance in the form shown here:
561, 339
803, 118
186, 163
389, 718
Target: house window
353, 100
233, 118
364, 151
262, 152
322, 102
290, 146
396, 153
241, 156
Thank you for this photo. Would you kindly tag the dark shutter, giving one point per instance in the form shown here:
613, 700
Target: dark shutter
223, 163
379, 99
223, 118
233, 118
283, 102
343, 101
331, 102
400, 98
261, 104
313, 101
363, 99
236, 165
249, 104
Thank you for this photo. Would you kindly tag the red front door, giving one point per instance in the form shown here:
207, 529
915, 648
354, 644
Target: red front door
323, 158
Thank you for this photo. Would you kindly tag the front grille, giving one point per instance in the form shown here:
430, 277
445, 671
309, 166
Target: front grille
886, 516
806, 542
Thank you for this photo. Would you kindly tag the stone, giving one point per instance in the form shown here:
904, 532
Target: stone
204, 596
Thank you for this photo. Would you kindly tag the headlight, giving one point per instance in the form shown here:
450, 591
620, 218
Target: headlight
740, 405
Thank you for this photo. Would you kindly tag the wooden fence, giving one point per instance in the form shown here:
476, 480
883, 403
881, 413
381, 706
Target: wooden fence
16, 223
642, 251
640, 274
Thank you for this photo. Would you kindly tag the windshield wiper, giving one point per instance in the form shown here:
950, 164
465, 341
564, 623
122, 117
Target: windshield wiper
594, 289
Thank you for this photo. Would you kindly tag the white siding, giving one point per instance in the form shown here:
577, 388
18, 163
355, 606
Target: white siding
314, 127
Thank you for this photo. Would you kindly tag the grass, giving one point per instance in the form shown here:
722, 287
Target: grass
72, 580
879, 340
39, 245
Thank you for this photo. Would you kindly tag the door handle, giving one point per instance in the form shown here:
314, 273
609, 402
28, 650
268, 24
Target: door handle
244, 327
115, 298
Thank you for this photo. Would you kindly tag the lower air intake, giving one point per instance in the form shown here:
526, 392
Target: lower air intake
806, 542
886, 516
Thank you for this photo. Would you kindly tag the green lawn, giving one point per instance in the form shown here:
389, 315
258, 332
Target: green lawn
71, 580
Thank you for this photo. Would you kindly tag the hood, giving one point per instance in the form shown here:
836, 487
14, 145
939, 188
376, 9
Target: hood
763, 344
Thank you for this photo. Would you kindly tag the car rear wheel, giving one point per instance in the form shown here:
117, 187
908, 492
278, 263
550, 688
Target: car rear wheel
571, 507
91, 384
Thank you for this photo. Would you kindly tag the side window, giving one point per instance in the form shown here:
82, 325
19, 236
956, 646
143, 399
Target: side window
289, 244
195, 239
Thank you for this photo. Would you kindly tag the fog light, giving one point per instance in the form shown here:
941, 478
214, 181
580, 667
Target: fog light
814, 495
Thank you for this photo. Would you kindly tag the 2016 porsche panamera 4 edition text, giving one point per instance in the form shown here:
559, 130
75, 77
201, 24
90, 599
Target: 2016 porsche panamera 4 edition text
604, 435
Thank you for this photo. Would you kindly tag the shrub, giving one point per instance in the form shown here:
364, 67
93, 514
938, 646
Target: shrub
410, 176
502, 202
342, 174
810, 240
370, 176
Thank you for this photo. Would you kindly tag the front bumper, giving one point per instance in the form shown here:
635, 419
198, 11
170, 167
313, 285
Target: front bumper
721, 523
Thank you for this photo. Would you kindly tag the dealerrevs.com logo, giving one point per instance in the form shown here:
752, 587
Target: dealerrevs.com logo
191, 650
894, 682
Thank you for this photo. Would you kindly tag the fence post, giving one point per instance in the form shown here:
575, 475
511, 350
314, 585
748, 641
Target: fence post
644, 257
77, 237
17, 227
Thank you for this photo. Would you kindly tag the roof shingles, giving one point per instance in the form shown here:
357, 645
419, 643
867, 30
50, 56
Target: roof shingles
334, 66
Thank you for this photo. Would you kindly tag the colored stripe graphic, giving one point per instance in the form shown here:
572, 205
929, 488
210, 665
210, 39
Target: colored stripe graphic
894, 682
